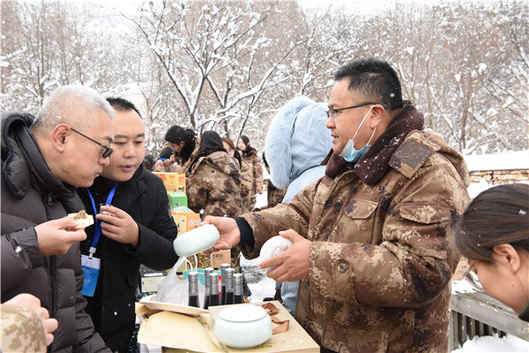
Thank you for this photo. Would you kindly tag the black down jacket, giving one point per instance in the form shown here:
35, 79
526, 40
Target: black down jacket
144, 198
32, 195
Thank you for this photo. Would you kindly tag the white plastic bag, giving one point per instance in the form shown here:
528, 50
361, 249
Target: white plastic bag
174, 290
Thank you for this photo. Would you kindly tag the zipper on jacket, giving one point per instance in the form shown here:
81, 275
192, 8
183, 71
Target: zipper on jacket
53, 274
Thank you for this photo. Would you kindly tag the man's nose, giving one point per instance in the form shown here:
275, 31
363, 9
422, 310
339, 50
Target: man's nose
129, 151
328, 123
104, 161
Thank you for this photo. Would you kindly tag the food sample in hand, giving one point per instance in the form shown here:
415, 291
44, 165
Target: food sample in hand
82, 218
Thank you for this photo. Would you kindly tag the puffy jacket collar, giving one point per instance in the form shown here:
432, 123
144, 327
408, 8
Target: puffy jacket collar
14, 171
23, 162
374, 164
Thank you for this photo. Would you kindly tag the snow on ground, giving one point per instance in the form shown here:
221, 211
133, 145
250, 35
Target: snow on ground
498, 161
494, 344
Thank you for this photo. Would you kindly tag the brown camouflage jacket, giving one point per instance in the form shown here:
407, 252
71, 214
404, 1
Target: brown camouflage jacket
213, 184
251, 178
380, 264
22, 330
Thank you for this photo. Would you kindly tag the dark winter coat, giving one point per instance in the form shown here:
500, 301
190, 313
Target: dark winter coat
31, 195
380, 263
144, 198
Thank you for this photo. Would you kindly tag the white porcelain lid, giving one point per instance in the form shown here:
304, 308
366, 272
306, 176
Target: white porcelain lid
243, 313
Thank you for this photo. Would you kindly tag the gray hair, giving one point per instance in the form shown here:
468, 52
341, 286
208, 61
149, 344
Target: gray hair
62, 101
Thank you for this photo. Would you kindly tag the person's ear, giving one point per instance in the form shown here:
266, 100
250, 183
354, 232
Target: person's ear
507, 255
377, 114
59, 137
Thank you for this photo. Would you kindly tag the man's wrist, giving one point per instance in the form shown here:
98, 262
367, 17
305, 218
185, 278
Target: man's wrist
247, 240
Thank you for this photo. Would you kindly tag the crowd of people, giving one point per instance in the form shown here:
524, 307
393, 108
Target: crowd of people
375, 206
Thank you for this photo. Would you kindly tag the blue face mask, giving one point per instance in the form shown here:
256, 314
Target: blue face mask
349, 152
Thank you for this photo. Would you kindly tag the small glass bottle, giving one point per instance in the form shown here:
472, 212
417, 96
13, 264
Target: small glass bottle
223, 268
193, 289
214, 290
229, 285
207, 281
237, 288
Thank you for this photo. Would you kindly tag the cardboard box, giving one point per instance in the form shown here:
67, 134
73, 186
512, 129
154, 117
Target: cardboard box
185, 219
150, 282
178, 333
173, 181
220, 257
176, 199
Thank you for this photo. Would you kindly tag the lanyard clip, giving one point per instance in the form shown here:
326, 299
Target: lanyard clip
91, 252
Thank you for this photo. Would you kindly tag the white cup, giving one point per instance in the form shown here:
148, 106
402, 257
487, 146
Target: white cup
196, 240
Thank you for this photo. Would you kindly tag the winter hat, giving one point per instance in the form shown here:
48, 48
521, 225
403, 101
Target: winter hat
297, 140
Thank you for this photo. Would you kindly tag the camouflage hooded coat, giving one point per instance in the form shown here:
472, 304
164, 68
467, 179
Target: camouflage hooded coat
213, 184
380, 263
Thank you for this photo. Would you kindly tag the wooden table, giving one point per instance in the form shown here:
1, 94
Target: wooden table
178, 333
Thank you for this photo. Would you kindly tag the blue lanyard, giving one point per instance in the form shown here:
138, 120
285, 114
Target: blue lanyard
97, 227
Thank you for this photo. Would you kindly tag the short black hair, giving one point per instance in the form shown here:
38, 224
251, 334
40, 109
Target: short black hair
122, 105
374, 78
148, 162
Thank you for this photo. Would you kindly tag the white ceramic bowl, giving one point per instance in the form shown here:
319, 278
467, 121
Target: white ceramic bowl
243, 326
196, 240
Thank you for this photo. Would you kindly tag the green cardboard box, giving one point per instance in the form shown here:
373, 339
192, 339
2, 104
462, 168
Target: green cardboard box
177, 199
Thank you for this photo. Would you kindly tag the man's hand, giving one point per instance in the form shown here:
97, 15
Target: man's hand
57, 236
118, 225
30, 302
293, 264
229, 232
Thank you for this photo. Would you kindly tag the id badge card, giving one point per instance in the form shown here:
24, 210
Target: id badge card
91, 266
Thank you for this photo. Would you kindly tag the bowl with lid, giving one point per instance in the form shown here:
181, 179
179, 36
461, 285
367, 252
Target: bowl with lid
243, 326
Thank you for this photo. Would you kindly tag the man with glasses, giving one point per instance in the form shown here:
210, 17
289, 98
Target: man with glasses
133, 227
369, 238
43, 161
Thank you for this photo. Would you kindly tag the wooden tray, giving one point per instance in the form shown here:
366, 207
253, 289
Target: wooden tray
151, 303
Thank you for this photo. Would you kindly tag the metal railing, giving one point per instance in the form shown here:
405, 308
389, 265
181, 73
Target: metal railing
478, 314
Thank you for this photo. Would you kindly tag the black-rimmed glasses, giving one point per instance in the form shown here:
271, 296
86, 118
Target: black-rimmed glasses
331, 112
107, 151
